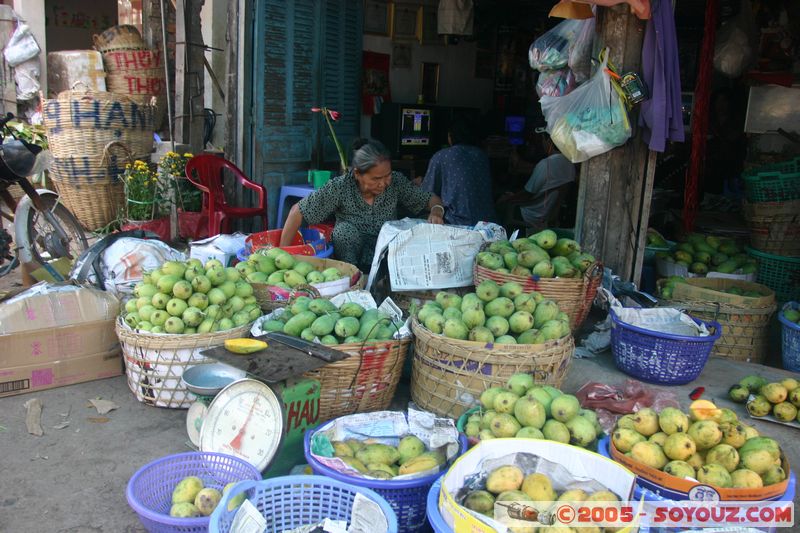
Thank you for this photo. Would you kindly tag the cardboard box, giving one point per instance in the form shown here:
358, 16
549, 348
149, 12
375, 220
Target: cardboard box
52, 374
58, 344
220, 247
579, 462
55, 308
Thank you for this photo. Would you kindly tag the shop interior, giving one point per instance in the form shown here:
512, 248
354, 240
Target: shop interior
486, 77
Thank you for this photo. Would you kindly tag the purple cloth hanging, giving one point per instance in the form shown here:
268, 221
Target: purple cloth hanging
661, 117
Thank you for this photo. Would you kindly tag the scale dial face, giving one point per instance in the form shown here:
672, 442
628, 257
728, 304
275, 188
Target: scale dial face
246, 420
194, 421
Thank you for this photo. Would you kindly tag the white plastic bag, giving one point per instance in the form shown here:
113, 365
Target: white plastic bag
22, 46
734, 50
27, 77
589, 121
562, 45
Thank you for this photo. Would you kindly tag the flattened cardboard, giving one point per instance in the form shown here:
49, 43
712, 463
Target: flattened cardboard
678, 488
52, 374
55, 344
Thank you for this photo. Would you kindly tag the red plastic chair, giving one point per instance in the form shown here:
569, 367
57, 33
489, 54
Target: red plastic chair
206, 173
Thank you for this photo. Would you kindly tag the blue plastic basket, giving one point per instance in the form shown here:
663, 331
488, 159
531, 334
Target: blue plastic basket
314, 238
435, 518
149, 490
661, 358
408, 498
289, 502
790, 336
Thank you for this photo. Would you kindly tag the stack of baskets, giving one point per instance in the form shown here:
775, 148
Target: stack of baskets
132, 68
745, 320
92, 135
772, 210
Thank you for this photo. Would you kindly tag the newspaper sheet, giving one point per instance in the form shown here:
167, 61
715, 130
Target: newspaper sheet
424, 256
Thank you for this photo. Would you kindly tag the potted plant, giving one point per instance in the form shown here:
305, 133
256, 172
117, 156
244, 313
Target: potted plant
192, 222
143, 193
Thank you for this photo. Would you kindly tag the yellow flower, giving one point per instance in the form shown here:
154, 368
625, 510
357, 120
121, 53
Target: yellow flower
188, 155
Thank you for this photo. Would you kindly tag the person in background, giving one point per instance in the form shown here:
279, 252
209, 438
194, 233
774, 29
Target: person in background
460, 176
361, 200
538, 201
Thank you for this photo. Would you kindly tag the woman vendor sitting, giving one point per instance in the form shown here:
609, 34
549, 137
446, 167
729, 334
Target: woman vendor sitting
361, 200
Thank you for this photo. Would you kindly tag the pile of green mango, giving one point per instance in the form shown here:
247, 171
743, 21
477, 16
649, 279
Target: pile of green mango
498, 314
702, 254
542, 254
382, 461
317, 318
669, 286
279, 268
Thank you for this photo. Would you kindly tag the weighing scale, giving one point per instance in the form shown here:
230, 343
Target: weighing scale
283, 405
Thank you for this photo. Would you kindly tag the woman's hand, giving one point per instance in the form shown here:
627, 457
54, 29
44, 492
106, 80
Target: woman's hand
435, 218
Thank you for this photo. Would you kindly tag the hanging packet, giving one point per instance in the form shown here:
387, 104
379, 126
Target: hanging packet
555, 82
589, 121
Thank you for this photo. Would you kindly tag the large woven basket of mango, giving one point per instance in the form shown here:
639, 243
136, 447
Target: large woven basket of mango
449, 375
555, 268
743, 309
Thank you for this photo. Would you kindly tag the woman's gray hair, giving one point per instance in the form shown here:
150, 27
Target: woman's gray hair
367, 154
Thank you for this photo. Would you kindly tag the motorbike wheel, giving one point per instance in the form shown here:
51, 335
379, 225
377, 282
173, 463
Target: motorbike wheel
45, 244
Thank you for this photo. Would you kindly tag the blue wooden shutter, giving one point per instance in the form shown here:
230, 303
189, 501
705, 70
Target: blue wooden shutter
307, 53
285, 64
341, 71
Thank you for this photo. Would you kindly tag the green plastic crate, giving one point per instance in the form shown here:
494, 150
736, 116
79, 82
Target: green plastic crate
777, 182
779, 273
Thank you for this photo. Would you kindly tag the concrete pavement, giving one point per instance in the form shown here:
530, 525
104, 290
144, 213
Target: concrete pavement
73, 479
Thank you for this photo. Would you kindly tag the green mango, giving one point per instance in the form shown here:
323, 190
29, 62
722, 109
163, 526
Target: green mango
323, 325
298, 323
321, 306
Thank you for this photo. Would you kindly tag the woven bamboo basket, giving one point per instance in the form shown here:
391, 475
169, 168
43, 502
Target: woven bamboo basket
745, 320
121, 37
265, 293
271, 298
449, 375
774, 227
137, 72
81, 123
365, 381
154, 363
574, 296
405, 299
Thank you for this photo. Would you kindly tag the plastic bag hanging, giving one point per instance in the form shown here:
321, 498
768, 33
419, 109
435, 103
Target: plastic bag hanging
554, 48
22, 46
589, 121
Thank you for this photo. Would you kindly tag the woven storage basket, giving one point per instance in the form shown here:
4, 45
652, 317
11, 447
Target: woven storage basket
81, 123
774, 226
365, 381
270, 299
574, 296
745, 320
122, 37
138, 72
154, 363
449, 375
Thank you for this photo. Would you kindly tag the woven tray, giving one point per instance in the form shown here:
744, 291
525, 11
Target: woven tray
449, 375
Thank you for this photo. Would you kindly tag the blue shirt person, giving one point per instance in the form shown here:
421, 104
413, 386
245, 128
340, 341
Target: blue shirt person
461, 177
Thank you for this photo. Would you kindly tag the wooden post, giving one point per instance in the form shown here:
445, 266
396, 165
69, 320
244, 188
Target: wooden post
614, 196
189, 76
232, 86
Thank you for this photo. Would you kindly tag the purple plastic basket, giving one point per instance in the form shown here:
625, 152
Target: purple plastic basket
149, 491
790, 337
661, 358
408, 498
